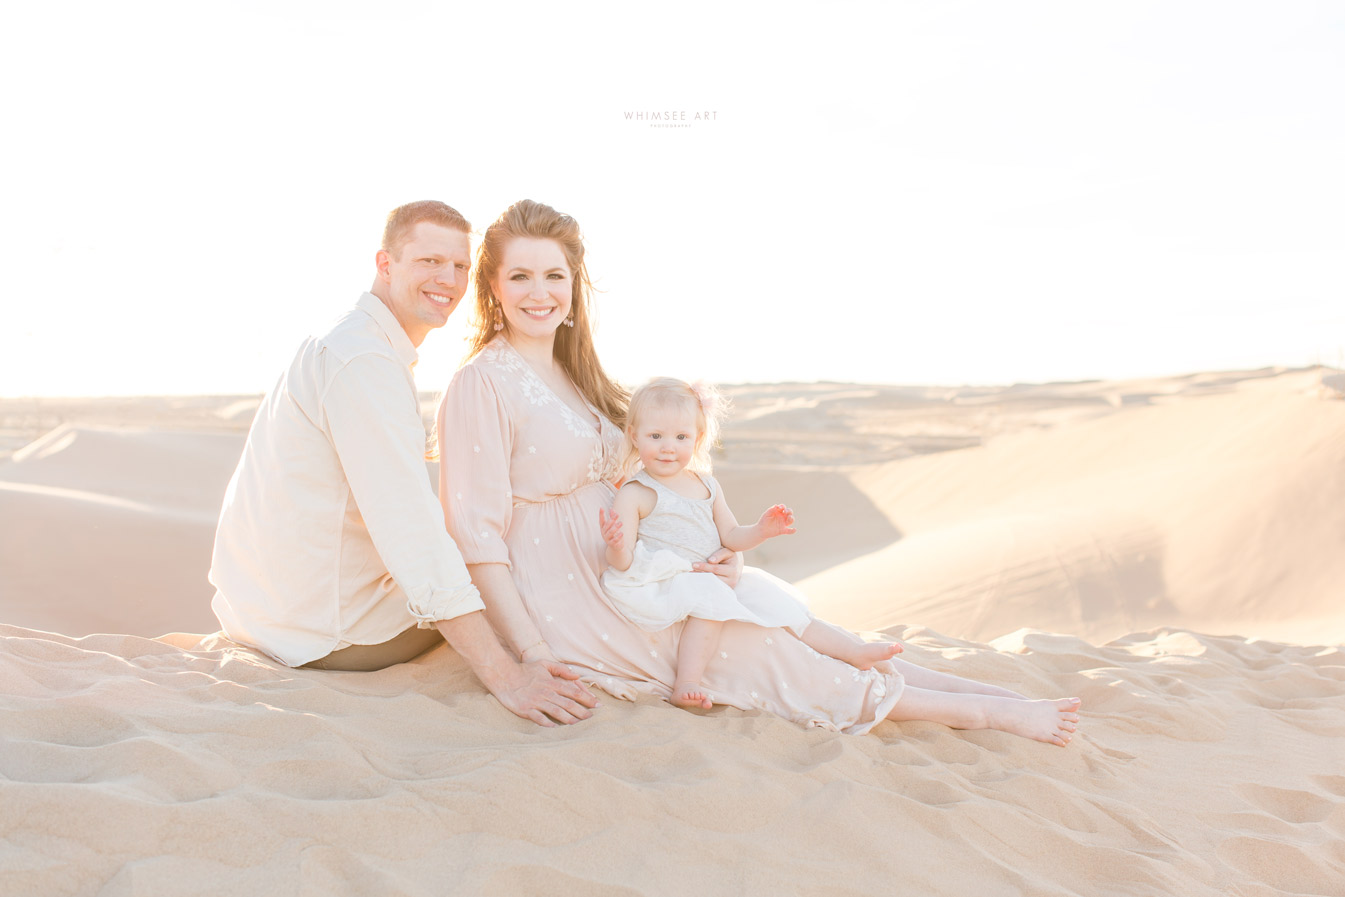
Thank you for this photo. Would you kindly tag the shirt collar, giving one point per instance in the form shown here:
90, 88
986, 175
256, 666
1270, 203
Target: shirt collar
401, 343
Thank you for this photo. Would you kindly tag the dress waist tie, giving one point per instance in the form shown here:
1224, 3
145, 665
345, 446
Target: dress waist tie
528, 503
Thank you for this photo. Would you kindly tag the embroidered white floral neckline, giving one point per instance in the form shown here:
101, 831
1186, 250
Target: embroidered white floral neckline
539, 384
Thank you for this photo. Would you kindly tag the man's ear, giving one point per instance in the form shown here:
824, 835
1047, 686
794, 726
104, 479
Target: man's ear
381, 261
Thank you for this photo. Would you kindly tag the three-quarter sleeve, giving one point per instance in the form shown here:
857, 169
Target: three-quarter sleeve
374, 424
476, 439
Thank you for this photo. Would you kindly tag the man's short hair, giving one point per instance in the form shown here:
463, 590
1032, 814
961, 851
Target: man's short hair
403, 219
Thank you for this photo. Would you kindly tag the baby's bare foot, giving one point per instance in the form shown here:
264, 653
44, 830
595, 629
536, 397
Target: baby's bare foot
689, 694
1053, 722
866, 655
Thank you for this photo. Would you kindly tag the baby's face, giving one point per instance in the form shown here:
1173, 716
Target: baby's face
665, 438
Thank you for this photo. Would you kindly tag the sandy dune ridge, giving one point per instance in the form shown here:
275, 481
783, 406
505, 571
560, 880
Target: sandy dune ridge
1057, 539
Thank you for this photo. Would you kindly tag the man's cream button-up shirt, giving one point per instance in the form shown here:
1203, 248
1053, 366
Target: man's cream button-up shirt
331, 534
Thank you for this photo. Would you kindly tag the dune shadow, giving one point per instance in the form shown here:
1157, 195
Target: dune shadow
836, 521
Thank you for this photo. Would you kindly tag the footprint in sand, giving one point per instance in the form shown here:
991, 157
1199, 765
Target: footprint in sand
1331, 784
1288, 804
1281, 866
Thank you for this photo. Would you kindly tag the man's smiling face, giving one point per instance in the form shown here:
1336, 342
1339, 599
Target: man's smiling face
424, 279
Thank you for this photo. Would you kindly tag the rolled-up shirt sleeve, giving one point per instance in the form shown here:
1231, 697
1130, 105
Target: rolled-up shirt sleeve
475, 445
372, 418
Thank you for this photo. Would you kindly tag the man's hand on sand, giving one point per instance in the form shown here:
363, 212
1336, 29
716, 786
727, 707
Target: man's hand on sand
547, 693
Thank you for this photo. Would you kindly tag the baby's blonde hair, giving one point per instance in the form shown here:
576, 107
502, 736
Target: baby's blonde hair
664, 392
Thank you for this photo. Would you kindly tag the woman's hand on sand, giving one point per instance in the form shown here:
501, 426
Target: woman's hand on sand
777, 520
547, 693
727, 565
610, 523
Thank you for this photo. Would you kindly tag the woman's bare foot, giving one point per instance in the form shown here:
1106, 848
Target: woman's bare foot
689, 694
866, 655
1053, 722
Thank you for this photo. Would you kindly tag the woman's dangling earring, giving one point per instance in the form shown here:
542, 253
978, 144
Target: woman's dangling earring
499, 318
569, 322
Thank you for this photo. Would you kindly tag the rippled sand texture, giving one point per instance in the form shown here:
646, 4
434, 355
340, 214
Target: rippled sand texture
1205, 766
1170, 551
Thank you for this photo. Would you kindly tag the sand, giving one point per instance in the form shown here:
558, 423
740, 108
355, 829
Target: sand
1169, 550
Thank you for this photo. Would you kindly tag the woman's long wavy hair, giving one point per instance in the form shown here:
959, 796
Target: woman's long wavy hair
573, 348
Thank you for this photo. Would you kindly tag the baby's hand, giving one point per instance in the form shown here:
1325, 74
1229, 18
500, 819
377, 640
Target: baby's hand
611, 529
777, 520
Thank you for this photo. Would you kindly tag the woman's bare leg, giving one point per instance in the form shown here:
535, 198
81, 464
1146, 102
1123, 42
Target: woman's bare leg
935, 681
824, 639
698, 643
1053, 722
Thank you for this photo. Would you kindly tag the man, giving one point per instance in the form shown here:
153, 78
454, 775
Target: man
331, 550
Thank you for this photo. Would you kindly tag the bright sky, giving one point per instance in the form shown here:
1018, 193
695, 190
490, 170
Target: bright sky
901, 192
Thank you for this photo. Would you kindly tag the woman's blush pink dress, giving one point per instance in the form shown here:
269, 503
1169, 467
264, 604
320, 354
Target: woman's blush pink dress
525, 476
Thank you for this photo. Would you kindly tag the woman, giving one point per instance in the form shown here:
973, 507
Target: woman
530, 441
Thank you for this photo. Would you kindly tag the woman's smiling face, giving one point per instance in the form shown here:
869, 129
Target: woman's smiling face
534, 286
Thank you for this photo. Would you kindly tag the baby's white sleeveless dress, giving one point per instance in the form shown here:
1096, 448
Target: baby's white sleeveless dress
660, 588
